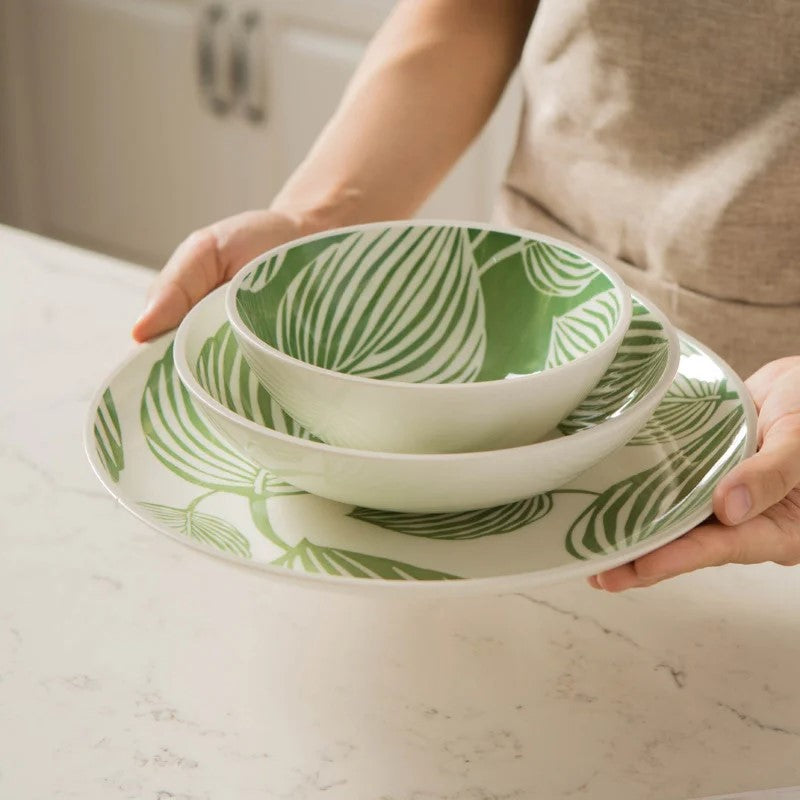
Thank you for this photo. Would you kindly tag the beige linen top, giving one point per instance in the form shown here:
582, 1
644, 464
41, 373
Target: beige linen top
665, 136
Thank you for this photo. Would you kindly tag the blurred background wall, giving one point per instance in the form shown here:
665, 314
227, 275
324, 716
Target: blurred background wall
125, 124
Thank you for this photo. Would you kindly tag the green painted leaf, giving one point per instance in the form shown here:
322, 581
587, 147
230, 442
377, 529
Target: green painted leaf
686, 409
202, 527
379, 304
583, 328
184, 442
226, 376
308, 557
108, 437
265, 272
259, 511
636, 369
462, 525
557, 272
632, 509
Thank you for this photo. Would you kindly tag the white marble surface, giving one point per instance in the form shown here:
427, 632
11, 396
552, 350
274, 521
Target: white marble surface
131, 667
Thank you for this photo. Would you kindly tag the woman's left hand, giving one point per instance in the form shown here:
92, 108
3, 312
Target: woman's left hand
756, 505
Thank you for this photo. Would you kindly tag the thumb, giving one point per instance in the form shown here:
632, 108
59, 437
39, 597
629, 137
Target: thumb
193, 270
206, 259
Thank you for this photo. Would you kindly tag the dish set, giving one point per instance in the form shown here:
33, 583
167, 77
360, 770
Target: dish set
425, 407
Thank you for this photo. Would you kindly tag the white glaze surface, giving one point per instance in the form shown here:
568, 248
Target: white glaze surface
132, 667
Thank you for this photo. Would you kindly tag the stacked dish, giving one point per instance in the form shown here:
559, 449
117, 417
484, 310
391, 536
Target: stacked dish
424, 402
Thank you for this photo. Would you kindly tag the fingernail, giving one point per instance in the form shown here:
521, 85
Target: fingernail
738, 503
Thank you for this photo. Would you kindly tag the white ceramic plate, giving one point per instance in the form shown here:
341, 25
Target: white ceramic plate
155, 453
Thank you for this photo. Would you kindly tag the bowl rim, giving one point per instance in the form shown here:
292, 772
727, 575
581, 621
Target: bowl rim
188, 379
612, 340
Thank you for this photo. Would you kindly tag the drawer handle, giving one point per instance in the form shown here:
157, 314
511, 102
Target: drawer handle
248, 67
214, 83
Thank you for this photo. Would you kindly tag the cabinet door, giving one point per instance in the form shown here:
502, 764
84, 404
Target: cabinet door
130, 157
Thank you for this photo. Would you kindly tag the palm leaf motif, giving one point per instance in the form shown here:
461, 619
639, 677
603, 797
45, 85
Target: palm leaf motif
583, 328
226, 376
184, 442
636, 369
461, 525
630, 510
402, 304
264, 272
108, 437
557, 272
309, 557
686, 408
201, 527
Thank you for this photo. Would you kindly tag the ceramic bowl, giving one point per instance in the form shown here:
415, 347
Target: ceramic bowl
211, 367
428, 337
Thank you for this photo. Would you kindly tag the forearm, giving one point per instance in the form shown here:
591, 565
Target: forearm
428, 83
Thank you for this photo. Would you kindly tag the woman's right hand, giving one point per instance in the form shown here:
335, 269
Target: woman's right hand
206, 259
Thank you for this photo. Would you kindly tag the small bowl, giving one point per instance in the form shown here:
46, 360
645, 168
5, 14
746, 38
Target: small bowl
427, 337
210, 365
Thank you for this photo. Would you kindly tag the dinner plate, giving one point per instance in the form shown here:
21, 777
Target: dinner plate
155, 452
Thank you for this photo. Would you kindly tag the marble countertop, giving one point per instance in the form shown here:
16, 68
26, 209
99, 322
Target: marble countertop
132, 667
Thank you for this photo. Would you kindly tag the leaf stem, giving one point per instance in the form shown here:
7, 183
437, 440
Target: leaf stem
260, 515
191, 507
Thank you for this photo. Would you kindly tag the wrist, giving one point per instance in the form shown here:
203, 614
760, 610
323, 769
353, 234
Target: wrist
320, 211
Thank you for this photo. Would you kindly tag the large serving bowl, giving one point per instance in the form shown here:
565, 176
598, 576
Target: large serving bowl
428, 337
210, 365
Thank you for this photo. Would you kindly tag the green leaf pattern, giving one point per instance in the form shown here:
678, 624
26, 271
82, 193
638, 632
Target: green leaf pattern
637, 367
108, 437
555, 271
309, 557
181, 439
582, 329
462, 525
227, 377
184, 442
376, 304
204, 528
626, 512
687, 408
265, 272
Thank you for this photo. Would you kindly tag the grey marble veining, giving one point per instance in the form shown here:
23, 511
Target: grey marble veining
131, 667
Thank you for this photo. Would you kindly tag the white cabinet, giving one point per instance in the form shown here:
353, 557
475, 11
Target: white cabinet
127, 156
113, 143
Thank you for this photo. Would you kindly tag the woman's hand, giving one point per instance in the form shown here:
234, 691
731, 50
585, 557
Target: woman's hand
757, 504
207, 258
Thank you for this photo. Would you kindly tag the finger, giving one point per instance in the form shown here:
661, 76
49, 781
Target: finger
621, 578
593, 582
764, 479
710, 545
193, 270
782, 400
760, 382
